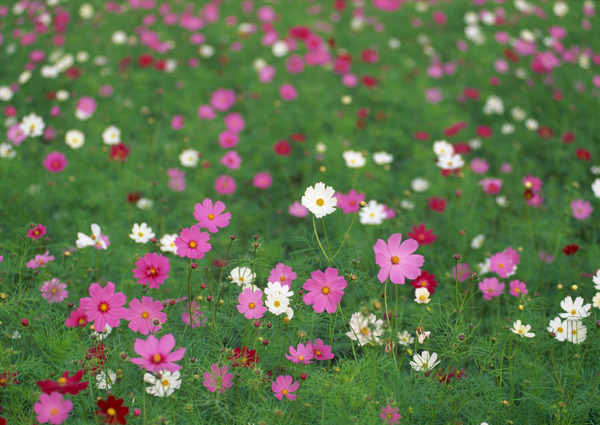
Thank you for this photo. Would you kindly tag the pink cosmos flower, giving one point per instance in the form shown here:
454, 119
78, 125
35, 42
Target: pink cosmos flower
533, 183
491, 186
15, 134
302, 354
54, 291
387, 5
196, 315
491, 288
234, 122
228, 139
141, 315
192, 242
85, 108
325, 290
152, 269
39, 261
211, 216
262, 180
396, 260
104, 307
52, 408
205, 112
77, 319
176, 179
581, 209
37, 232
517, 288
177, 122
222, 99
462, 269
250, 304
225, 185
298, 210
350, 202
156, 354
282, 274
55, 162
232, 160
283, 386
219, 378
389, 415
502, 264
288, 92
321, 351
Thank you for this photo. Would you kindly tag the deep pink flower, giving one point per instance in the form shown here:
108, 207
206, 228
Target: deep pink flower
387, 5
517, 288
211, 216
192, 242
54, 291
251, 304
152, 269
262, 180
225, 185
39, 261
52, 408
350, 202
422, 235
228, 139
232, 160
77, 319
491, 186
437, 204
197, 316
55, 162
533, 183
234, 122
581, 209
389, 415
141, 315
491, 288
302, 354
283, 386
396, 260
502, 264
288, 92
156, 354
104, 307
205, 112
37, 232
222, 99
282, 274
325, 290
321, 351
219, 378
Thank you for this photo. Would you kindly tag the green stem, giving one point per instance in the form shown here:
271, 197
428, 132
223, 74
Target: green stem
326, 238
319, 241
346, 236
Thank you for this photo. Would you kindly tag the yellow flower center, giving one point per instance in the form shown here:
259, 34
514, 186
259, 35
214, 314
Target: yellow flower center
103, 307
251, 305
423, 283
422, 297
560, 329
36, 232
574, 332
301, 358
152, 271
325, 290
320, 202
282, 278
573, 312
54, 411
111, 412
517, 290
318, 352
521, 330
140, 234
54, 290
93, 237
192, 244
62, 380
501, 265
157, 358
165, 383
365, 331
276, 303
145, 315
395, 259
211, 217
82, 321
284, 392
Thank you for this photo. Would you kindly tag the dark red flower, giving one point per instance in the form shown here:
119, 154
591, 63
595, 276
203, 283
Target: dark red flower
300, 32
64, 384
422, 235
545, 132
339, 5
425, 280
444, 378
568, 137
583, 154
297, 137
119, 152
421, 135
368, 81
8, 378
484, 131
369, 56
454, 129
145, 60
470, 93
362, 113
243, 357
461, 148
73, 73
133, 197
511, 56
437, 204
96, 358
160, 65
570, 249
282, 148
220, 262
112, 410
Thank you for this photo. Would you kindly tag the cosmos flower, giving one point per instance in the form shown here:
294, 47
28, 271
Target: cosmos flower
397, 260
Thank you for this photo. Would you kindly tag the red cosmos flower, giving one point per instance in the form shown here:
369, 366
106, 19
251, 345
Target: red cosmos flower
160, 65
511, 56
300, 32
297, 137
243, 357
96, 357
422, 235
444, 378
583, 154
470, 93
545, 132
454, 129
119, 152
8, 378
425, 280
461, 148
133, 197
421, 135
339, 5
570, 249
369, 56
484, 131
368, 81
437, 204
145, 60
112, 410
282, 148
64, 384
568, 137
73, 73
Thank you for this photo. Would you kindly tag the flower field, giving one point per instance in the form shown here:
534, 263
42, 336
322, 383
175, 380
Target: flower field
299, 212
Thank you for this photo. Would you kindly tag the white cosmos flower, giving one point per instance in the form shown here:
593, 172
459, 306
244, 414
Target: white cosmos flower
372, 213
405, 338
7, 151
33, 125
450, 162
596, 188
596, 280
144, 203
477, 241
93, 240
422, 296
442, 148
111, 135
424, 361
189, 158
493, 105
242, 276
354, 159
575, 310
74, 138
141, 233
522, 330
167, 243
6, 93
596, 300
420, 184
276, 288
101, 335
559, 327
163, 384
407, 205
365, 329
277, 303
382, 158
576, 331
319, 200
105, 379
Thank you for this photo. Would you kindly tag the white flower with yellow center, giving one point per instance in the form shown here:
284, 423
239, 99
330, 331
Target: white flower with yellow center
365, 329
74, 138
242, 276
105, 379
450, 162
477, 241
522, 330
167, 243
354, 159
419, 184
372, 213
443, 148
111, 135
382, 158
424, 361
320, 200
93, 240
33, 125
574, 310
163, 384
277, 303
405, 338
422, 296
576, 331
189, 158
141, 233
7, 151
559, 328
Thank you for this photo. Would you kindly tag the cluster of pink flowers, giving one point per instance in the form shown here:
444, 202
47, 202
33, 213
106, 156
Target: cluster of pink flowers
306, 353
491, 287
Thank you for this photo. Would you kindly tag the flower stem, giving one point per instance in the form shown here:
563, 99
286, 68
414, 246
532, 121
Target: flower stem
319, 241
346, 236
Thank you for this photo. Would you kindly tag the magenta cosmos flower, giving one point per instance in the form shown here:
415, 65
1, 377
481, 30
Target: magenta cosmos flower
104, 307
517, 288
156, 354
389, 415
581, 209
491, 288
282, 274
250, 304
77, 319
396, 260
211, 216
502, 263
141, 315
37, 232
283, 386
219, 378
52, 408
55, 162
262, 180
39, 260
225, 185
152, 269
325, 290
302, 354
321, 351
192, 242
54, 291
222, 99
